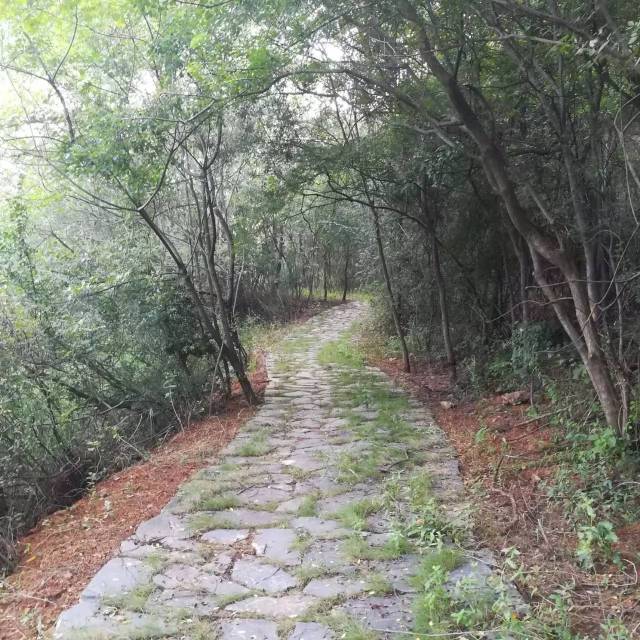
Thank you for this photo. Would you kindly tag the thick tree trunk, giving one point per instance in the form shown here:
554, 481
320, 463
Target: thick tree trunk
387, 281
586, 339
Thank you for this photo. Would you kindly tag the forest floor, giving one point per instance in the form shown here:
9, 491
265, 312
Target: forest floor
508, 463
61, 554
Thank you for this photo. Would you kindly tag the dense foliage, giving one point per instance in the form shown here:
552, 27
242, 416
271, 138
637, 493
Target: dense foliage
174, 167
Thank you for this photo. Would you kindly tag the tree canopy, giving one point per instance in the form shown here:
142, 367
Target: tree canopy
172, 168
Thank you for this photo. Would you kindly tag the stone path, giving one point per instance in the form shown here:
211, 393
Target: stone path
312, 524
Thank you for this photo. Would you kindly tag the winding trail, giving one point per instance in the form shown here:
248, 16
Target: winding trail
308, 527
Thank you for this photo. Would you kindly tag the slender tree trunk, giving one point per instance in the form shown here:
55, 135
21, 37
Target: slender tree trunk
324, 276
523, 264
209, 241
444, 308
232, 355
387, 281
345, 287
445, 324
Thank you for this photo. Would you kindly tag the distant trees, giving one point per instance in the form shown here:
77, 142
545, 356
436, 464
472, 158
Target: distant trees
537, 115
174, 167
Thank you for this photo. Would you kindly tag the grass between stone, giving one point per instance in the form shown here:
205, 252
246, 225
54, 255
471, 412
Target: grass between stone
257, 446
134, 600
355, 515
309, 505
377, 415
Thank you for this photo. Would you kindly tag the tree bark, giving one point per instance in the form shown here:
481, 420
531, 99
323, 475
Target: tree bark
445, 324
444, 308
586, 339
345, 288
387, 281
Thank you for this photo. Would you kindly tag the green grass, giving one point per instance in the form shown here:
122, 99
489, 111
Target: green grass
354, 515
134, 600
356, 467
302, 542
294, 344
377, 584
307, 573
446, 558
433, 607
346, 628
200, 522
298, 474
229, 467
357, 548
420, 484
342, 352
201, 630
257, 446
429, 526
157, 560
216, 503
223, 601
309, 506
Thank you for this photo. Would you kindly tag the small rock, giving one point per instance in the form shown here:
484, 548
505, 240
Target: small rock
515, 397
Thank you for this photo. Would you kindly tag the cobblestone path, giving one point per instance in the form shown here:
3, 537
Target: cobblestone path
311, 525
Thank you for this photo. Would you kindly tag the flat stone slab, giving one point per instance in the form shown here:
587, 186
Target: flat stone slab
163, 525
220, 564
76, 616
118, 576
276, 544
264, 495
399, 572
194, 579
248, 629
320, 527
327, 555
311, 631
304, 461
265, 577
225, 536
208, 567
247, 518
289, 606
389, 613
126, 625
335, 586
319, 482
329, 506
198, 604
291, 506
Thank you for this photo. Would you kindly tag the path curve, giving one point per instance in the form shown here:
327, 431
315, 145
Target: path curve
310, 524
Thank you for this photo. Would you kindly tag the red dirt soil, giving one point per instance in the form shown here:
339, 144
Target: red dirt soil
504, 458
63, 552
